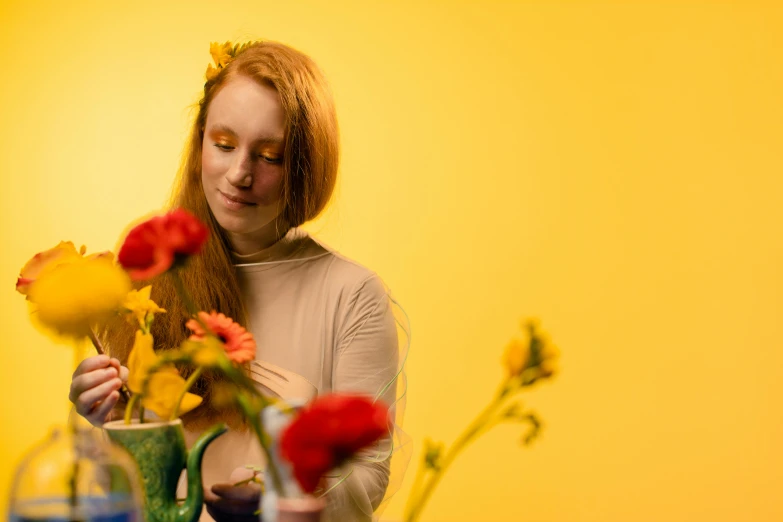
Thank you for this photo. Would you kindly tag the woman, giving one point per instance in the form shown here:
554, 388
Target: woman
262, 160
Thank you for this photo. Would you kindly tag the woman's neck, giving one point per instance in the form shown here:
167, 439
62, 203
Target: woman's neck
260, 239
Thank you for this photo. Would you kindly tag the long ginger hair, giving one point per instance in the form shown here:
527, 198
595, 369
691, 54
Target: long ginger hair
311, 156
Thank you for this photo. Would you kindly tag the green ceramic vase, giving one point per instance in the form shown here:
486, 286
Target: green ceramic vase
159, 450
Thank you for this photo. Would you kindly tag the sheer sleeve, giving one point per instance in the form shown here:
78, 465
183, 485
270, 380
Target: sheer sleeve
373, 342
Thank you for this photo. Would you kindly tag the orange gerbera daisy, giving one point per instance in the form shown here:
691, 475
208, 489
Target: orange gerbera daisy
239, 344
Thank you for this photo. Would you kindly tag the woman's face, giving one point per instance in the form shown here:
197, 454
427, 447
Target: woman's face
242, 158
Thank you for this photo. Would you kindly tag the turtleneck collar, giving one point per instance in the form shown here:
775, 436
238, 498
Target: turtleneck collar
283, 248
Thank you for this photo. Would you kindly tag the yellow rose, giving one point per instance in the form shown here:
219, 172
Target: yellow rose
64, 252
70, 297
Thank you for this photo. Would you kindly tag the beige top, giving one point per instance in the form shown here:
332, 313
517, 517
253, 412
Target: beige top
322, 323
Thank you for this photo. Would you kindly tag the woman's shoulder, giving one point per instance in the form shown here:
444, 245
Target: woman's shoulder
349, 274
305, 261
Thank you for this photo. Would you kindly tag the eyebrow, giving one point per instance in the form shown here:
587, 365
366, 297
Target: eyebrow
265, 140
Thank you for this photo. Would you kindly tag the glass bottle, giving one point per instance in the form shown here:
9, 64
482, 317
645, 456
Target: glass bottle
76, 474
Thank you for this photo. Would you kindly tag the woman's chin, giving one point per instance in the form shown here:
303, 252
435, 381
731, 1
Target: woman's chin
243, 226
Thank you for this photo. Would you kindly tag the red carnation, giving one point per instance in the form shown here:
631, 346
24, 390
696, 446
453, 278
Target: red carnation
153, 246
329, 431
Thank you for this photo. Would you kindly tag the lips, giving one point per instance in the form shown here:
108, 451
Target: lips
235, 202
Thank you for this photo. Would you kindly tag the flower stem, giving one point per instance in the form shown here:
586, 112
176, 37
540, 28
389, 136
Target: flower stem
73, 480
420, 474
193, 376
417, 501
254, 479
179, 285
255, 421
72, 487
129, 408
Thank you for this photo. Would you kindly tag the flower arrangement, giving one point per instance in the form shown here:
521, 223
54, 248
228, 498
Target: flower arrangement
159, 245
73, 296
70, 293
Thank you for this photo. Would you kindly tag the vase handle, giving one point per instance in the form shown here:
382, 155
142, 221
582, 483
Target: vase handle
191, 509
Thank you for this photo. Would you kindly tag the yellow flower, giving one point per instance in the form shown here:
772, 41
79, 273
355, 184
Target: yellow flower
207, 353
65, 252
164, 389
516, 357
211, 72
141, 358
142, 308
533, 358
548, 356
165, 384
221, 53
70, 297
543, 354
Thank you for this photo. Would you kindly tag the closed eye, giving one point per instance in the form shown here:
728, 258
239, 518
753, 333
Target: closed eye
270, 159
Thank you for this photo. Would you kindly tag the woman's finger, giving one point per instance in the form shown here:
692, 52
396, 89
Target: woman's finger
124, 372
86, 381
86, 400
90, 364
98, 416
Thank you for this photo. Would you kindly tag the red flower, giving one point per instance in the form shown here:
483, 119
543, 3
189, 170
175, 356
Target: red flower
329, 431
239, 344
153, 246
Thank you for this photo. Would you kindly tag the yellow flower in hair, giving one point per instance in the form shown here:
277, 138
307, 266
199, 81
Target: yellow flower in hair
211, 72
221, 53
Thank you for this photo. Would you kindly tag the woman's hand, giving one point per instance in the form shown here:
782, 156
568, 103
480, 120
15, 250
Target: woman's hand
95, 387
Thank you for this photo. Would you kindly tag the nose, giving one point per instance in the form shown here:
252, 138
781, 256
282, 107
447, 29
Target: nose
240, 173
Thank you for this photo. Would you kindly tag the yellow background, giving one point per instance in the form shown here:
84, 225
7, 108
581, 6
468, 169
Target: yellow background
613, 168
